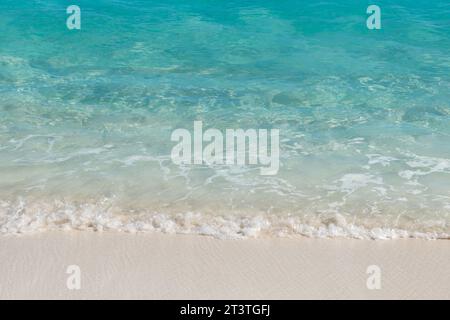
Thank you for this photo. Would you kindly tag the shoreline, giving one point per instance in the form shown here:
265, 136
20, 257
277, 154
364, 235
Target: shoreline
92, 216
162, 266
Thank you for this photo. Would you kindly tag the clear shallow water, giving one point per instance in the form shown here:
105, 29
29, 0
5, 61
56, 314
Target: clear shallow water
364, 117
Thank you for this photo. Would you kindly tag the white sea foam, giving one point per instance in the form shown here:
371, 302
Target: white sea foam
19, 218
380, 159
352, 182
422, 166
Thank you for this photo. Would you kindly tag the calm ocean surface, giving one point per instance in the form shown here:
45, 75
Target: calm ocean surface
364, 116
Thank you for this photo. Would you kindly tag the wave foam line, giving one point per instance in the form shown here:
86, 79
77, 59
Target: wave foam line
27, 219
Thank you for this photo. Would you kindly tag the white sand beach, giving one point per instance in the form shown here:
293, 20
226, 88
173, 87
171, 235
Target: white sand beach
162, 266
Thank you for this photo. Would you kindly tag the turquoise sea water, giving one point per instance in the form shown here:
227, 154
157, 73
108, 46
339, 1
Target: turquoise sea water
364, 116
